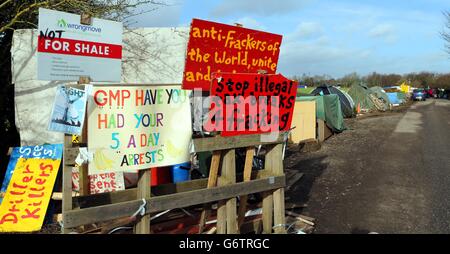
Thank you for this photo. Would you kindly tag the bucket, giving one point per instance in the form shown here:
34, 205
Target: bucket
160, 176
181, 172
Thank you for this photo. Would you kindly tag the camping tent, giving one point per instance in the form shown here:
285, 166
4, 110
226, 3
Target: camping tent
361, 95
328, 108
381, 94
347, 104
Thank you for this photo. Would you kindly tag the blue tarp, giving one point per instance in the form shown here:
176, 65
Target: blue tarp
393, 98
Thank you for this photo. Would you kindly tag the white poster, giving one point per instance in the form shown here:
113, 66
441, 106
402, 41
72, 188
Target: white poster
68, 110
68, 49
100, 183
138, 127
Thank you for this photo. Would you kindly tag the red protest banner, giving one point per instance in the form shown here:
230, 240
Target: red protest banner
251, 103
215, 47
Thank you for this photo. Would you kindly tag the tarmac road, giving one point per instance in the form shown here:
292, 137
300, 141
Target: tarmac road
386, 174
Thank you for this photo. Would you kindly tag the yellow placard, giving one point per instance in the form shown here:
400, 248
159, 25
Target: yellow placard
28, 195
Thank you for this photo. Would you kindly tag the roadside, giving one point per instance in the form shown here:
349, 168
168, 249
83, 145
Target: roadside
387, 173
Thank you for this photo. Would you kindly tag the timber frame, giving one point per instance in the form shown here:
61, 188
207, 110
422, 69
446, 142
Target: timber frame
88, 209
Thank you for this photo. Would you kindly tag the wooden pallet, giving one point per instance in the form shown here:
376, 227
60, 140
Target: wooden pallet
221, 187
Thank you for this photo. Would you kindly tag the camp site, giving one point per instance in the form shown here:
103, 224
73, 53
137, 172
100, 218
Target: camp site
217, 118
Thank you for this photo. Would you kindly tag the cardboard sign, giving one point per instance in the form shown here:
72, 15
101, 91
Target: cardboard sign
68, 111
251, 104
100, 183
215, 47
138, 127
38, 152
28, 195
68, 49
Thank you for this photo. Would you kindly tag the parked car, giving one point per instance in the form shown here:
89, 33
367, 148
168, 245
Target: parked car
431, 93
419, 95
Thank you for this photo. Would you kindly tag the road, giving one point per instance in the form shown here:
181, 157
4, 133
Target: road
386, 174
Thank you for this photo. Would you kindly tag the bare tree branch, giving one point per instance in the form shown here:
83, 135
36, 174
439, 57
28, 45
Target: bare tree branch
446, 34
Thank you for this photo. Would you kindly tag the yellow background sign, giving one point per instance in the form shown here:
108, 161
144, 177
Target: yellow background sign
28, 195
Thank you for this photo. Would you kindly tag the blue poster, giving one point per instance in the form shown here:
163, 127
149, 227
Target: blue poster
40, 152
68, 110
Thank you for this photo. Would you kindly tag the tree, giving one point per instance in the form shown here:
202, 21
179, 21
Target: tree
446, 33
350, 79
23, 14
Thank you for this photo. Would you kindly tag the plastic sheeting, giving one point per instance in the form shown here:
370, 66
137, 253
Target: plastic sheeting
393, 98
360, 95
328, 108
150, 56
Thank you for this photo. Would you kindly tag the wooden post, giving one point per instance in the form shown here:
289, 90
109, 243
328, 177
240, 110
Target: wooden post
247, 177
143, 191
267, 209
321, 130
229, 174
83, 171
278, 195
212, 182
66, 182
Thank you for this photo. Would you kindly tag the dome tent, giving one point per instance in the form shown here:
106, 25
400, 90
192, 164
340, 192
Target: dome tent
347, 104
361, 95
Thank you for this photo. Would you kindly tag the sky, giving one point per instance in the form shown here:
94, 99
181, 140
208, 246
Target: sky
331, 37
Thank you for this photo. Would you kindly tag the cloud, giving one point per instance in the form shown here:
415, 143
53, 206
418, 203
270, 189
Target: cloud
383, 31
261, 7
307, 30
308, 49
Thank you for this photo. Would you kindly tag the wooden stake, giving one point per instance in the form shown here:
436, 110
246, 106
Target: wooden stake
143, 191
212, 182
247, 177
66, 183
83, 170
229, 173
278, 195
268, 196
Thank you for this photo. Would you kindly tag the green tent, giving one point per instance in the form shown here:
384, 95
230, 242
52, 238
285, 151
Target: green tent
361, 95
381, 94
328, 108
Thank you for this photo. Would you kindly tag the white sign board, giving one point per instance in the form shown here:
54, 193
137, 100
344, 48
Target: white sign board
68, 49
138, 127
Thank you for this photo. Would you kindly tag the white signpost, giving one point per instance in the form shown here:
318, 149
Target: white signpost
68, 50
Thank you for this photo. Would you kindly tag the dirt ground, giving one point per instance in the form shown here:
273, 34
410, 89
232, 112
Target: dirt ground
374, 177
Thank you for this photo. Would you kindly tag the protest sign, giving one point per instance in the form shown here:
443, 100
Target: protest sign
215, 47
68, 110
28, 195
100, 183
68, 49
38, 152
251, 104
138, 127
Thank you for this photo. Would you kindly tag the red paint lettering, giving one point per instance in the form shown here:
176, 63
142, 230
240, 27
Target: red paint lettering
15, 185
9, 217
44, 167
27, 170
35, 189
40, 181
27, 179
36, 195
31, 215
16, 193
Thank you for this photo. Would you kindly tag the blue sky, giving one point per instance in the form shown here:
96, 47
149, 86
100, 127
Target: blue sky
331, 37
